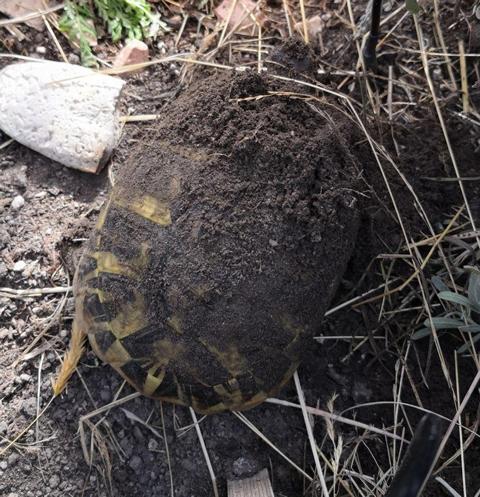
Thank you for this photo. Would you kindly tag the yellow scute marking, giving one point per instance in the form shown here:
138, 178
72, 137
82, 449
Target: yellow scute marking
166, 350
147, 207
117, 355
152, 381
287, 324
231, 398
131, 319
258, 398
175, 323
109, 263
103, 216
229, 358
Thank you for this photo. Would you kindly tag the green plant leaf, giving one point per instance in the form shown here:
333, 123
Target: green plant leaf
76, 22
422, 333
455, 298
470, 328
412, 6
464, 348
438, 283
128, 18
474, 288
442, 323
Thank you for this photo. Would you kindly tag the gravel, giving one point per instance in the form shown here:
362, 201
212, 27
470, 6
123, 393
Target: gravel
17, 203
135, 463
19, 266
54, 481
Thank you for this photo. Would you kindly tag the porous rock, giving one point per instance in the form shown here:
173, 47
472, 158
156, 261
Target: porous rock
134, 52
65, 112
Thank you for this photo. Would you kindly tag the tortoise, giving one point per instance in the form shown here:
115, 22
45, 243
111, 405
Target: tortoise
218, 251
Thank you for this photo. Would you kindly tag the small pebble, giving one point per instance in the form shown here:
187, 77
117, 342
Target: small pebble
3, 465
17, 203
437, 74
13, 458
41, 50
19, 266
243, 466
54, 481
135, 463
73, 58
137, 433
4, 237
153, 445
105, 395
29, 406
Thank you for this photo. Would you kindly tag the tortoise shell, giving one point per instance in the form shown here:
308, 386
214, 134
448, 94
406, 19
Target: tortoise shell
202, 284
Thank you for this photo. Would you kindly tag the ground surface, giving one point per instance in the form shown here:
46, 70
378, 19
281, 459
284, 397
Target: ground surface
146, 449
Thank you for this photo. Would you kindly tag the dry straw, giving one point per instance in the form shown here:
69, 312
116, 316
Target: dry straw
71, 359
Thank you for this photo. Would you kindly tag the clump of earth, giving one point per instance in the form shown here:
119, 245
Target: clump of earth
237, 217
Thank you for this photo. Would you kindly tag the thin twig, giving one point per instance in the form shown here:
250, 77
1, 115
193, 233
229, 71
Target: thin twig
205, 452
311, 438
33, 15
252, 427
14, 293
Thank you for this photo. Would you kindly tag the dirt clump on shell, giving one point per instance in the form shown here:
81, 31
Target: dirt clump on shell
261, 192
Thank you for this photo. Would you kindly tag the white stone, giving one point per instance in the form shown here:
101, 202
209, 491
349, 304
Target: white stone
19, 266
17, 203
67, 113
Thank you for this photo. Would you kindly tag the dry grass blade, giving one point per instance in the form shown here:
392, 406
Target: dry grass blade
304, 23
12, 442
473, 435
287, 16
139, 118
100, 410
460, 430
39, 385
227, 22
71, 359
335, 417
456, 418
311, 438
33, 15
255, 430
167, 451
436, 16
259, 56
442, 123
133, 417
205, 452
449, 488
422, 266
12, 293
463, 77
6, 144
55, 40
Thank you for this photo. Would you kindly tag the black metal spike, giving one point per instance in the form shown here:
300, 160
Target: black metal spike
418, 462
370, 49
